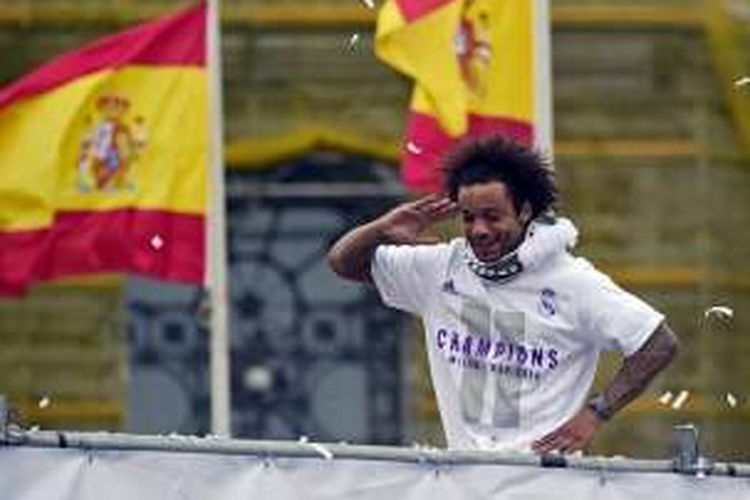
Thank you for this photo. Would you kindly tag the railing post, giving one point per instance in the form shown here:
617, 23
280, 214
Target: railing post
4, 418
686, 454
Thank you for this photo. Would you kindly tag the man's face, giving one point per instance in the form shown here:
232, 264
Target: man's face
490, 220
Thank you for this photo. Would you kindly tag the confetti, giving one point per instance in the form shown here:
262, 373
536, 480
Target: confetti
258, 378
731, 400
680, 400
325, 452
157, 242
44, 402
666, 398
742, 81
413, 148
370, 4
353, 39
721, 312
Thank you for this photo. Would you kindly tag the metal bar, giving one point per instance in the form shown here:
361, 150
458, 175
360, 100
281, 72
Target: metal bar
544, 133
4, 416
217, 272
292, 449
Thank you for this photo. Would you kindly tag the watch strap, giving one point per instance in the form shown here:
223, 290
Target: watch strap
599, 406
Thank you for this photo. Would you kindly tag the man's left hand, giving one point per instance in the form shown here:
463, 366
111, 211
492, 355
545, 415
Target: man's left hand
576, 434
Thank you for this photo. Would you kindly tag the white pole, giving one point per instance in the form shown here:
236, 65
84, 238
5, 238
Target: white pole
543, 103
217, 234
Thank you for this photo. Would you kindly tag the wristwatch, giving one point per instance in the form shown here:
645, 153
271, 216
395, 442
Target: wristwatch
599, 406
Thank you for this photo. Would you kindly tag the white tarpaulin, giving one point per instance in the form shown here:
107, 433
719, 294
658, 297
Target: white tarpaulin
40, 473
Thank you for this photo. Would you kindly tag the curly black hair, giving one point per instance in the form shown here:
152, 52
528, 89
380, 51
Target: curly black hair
527, 175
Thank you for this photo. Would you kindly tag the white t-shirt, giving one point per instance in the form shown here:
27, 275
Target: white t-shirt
510, 362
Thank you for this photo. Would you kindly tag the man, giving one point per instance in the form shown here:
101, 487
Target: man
514, 323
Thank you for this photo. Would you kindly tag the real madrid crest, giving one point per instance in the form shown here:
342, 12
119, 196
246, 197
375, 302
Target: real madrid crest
547, 302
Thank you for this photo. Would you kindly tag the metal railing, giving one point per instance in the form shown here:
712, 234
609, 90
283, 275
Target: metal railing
685, 460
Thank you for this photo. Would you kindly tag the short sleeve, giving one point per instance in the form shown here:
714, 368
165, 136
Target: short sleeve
406, 275
613, 318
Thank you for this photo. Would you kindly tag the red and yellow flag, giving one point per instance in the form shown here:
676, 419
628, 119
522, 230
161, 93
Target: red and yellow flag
474, 70
103, 158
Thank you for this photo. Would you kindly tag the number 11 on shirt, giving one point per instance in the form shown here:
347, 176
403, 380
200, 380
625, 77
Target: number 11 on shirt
490, 394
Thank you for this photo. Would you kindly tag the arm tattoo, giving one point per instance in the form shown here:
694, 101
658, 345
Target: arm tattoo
640, 368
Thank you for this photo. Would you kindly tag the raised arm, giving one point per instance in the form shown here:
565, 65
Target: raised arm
635, 374
350, 256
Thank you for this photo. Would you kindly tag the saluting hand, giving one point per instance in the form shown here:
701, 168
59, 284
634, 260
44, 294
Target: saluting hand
405, 223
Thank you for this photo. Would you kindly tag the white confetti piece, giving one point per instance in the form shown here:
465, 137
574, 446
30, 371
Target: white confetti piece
413, 148
742, 81
44, 402
721, 312
258, 378
731, 400
680, 400
324, 452
666, 398
353, 40
157, 242
370, 4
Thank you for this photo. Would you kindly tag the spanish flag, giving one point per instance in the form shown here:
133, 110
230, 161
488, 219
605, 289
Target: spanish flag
103, 158
474, 67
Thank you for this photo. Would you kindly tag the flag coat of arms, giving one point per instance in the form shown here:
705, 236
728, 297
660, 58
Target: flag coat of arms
474, 70
103, 158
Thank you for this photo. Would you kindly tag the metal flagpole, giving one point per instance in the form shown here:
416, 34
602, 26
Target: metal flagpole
216, 234
544, 115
